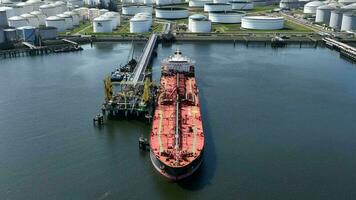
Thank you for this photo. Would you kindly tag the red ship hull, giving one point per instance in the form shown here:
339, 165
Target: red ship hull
177, 136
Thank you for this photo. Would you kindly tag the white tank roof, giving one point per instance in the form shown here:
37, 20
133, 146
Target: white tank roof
25, 27
64, 16
47, 6
34, 1
315, 3
21, 4
59, 3
197, 17
54, 18
288, 1
264, 18
36, 13
101, 19
16, 18
26, 15
349, 7
5, 8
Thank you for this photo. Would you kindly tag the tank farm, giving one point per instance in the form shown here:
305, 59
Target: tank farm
176, 139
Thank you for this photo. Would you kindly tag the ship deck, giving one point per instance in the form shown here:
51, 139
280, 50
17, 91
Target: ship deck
177, 115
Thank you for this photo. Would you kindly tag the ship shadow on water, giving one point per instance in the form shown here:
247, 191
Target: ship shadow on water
203, 176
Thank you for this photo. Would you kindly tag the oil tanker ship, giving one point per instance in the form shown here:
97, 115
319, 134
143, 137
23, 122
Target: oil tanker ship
177, 136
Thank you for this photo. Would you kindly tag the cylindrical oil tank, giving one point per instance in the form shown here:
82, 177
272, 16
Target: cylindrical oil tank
148, 2
57, 22
41, 17
336, 19
199, 24
83, 13
75, 3
220, 1
35, 4
8, 10
68, 20
209, 7
61, 6
115, 19
32, 19
27, 8
198, 3
134, 9
27, 33
348, 21
147, 16
323, 14
262, 22
18, 10
17, 21
139, 25
310, 8
289, 4
48, 33
10, 35
347, 2
226, 17
75, 17
241, 5
103, 11
3, 18
2, 35
102, 25
48, 10
167, 2
171, 13
93, 13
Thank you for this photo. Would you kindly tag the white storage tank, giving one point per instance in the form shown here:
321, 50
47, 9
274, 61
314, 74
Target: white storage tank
3, 18
289, 4
48, 33
347, 2
199, 24
226, 17
31, 19
115, 18
167, 2
262, 22
57, 22
9, 11
75, 3
17, 21
323, 14
220, 1
35, 4
48, 10
2, 36
139, 25
27, 33
61, 6
171, 13
241, 5
40, 16
103, 11
93, 13
68, 20
198, 3
18, 10
75, 17
10, 35
348, 21
336, 19
134, 9
102, 25
209, 7
27, 8
310, 8
83, 13
147, 16
148, 2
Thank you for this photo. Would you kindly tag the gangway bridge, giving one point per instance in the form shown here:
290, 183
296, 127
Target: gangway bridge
140, 70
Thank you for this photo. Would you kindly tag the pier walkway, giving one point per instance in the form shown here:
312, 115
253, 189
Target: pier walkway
140, 70
345, 50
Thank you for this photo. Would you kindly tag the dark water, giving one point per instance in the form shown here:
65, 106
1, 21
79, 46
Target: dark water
280, 124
